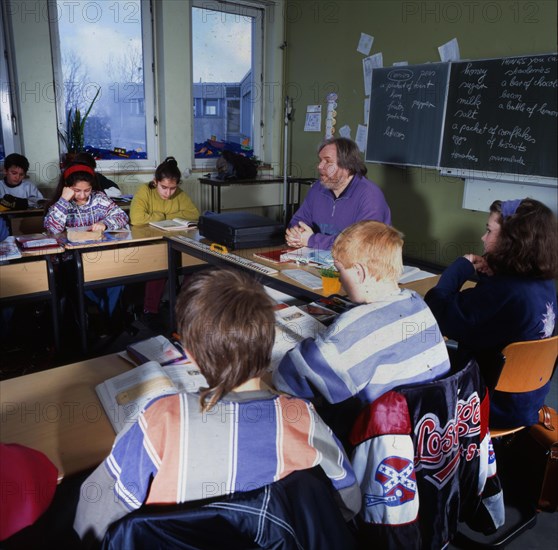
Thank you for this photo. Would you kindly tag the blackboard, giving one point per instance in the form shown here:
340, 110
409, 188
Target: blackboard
406, 114
501, 117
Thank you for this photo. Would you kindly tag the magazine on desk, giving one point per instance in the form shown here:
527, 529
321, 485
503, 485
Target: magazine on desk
9, 249
36, 240
159, 349
304, 256
176, 224
309, 256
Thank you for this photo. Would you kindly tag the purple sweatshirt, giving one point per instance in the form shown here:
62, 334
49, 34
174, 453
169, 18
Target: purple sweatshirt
328, 215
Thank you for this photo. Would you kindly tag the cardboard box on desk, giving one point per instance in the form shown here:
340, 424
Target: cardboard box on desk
241, 230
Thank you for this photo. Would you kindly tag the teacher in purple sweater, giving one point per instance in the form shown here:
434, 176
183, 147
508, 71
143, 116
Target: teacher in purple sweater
343, 197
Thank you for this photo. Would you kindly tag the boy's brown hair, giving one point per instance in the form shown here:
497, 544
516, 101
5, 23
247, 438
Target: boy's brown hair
375, 245
227, 323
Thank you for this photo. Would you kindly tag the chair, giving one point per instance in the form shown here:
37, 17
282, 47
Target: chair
299, 511
422, 457
528, 366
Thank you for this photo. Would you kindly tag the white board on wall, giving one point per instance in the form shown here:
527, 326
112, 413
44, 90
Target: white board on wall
480, 194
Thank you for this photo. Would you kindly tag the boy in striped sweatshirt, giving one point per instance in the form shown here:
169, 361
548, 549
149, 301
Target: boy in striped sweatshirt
234, 435
389, 339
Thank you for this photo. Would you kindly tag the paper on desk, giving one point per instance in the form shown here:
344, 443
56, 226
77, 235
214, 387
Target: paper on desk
412, 273
292, 325
9, 249
278, 296
306, 255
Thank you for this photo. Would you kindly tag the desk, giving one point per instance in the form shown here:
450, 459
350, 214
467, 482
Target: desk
216, 186
31, 279
278, 281
57, 412
141, 257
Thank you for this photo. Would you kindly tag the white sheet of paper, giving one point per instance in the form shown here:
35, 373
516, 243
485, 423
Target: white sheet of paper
345, 131
313, 122
450, 51
366, 110
400, 63
375, 61
361, 137
365, 43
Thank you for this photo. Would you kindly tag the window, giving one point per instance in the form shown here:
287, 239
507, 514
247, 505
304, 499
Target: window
227, 46
9, 138
211, 106
106, 46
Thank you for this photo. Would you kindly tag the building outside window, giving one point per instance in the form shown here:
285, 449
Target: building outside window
106, 46
227, 45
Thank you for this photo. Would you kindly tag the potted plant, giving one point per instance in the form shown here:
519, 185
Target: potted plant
74, 134
330, 280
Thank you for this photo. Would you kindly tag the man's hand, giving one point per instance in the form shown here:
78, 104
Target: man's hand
298, 235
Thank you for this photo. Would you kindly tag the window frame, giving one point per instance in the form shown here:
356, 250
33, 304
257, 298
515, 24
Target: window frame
257, 10
150, 93
8, 90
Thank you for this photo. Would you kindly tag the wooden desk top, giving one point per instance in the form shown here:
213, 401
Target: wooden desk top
31, 252
138, 233
57, 412
421, 286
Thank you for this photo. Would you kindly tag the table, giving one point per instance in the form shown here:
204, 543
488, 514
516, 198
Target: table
217, 184
278, 281
31, 279
142, 256
57, 412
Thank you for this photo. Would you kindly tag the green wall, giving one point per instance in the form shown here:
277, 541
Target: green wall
322, 38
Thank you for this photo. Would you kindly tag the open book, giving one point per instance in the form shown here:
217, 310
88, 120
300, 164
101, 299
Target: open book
292, 325
124, 396
177, 224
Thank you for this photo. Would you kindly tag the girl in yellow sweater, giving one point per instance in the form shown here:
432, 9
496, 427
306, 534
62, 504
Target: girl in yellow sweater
161, 199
